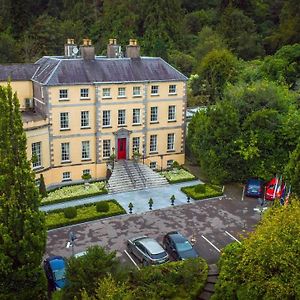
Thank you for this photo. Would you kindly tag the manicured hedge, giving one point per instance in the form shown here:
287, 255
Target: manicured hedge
84, 193
85, 212
210, 191
180, 175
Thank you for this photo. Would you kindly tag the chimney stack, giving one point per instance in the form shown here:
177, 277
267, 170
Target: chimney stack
133, 49
70, 48
87, 50
113, 49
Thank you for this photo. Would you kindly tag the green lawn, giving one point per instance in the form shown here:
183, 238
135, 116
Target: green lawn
85, 213
202, 191
73, 192
178, 175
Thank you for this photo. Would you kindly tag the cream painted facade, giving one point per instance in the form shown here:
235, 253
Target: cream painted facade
82, 125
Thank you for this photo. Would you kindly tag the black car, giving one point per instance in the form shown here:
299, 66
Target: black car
178, 246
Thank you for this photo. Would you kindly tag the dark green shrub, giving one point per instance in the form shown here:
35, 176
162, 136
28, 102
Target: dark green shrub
102, 206
175, 165
200, 188
70, 212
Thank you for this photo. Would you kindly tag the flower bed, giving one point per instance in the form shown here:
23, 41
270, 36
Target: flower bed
178, 175
86, 212
73, 192
202, 191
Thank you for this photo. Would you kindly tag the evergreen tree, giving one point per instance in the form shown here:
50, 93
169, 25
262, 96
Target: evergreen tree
42, 187
22, 227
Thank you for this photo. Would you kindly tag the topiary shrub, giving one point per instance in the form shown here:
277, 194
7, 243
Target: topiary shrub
200, 188
102, 206
70, 212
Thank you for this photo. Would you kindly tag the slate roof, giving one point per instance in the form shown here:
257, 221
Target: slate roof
59, 71
17, 72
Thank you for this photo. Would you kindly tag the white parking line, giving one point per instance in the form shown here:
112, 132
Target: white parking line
211, 243
232, 236
243, 193
132, 260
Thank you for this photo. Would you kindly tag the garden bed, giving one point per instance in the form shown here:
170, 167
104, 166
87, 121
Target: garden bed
178, 175
202, 191
73, 192
85, 212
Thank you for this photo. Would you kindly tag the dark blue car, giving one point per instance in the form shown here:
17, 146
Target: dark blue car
55, 269
178, 247
254, 188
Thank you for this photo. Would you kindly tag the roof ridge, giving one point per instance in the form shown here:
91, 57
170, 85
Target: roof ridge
173, 68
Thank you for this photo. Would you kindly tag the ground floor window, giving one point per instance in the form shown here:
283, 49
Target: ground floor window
135, 144
87, 171
106, 148
153, 165
85, 150
171, 141
170, 163
153, 143
66, 176
36, 154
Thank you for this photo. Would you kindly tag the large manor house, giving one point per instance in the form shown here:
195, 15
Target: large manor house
80, 110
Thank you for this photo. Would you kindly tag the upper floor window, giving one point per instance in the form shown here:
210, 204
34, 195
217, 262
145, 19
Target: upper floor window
84, 93
106, 118
121, 92
106, 93
154, 114
121, 117
172, 89
172, 113
36, 155
65, 152
153, 143
154, 89
85, 119
135, 144
106, 148
136, 116
85, 150
63, 94
136, 91
171, 141
64, 121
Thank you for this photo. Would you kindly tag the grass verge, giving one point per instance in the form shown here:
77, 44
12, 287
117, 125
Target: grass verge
178, 175
202, 191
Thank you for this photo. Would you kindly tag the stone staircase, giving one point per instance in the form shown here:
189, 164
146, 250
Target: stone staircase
129, 175
209, 287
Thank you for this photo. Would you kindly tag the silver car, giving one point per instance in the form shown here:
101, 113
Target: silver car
147, 250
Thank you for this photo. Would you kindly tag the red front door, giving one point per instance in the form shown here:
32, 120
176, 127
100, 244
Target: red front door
122, 148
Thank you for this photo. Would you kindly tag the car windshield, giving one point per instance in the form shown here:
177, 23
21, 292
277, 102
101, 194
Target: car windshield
185, 246
59, 274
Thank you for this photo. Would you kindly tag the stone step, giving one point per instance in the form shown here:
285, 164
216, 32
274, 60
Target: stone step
209, 287
205, 295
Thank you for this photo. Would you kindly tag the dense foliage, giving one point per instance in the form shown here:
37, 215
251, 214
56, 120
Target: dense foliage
99, 275
266, 265
22, 225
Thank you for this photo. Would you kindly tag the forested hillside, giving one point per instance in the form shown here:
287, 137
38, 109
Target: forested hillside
181, 31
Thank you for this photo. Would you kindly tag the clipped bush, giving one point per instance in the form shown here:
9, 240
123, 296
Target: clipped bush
70, 212
102, 206
200, 188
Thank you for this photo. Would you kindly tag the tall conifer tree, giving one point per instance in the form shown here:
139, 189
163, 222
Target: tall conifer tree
22, 225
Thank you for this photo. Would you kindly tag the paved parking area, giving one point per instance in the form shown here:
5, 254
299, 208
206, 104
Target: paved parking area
214, 223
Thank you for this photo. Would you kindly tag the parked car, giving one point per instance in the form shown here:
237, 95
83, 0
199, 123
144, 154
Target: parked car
178, 246
147, 250
55, 269
270, 186
254, 188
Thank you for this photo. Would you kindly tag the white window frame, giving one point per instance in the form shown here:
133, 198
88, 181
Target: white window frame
171, 142
63, 94
153, 143
172, 89
85, 150
153, 165
170, 163
135, 144
36, 149
64, 121
86, 171
154, 114
136, 116
172, 113
121, 117
106, 93
84, 93
106, 118
65, 152
66, 176
85, 119
106, 144
121, 92
154, 90
136, 91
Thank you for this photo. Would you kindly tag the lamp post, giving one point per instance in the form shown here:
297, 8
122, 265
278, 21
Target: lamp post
113, 155
71, 242
188, 199
161, 162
